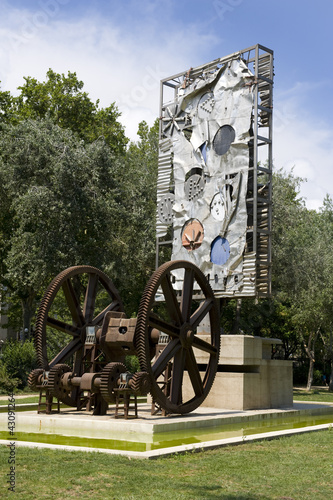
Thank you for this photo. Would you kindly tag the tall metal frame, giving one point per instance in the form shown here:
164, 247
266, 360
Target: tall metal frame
259, 60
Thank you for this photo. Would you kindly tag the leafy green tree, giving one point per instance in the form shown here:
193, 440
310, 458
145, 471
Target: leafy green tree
302, 260
327, 218
59, 202
7, 383
7, 107
62, 99
136, 227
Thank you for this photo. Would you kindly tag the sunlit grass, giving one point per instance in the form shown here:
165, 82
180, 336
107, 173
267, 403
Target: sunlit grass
297, 467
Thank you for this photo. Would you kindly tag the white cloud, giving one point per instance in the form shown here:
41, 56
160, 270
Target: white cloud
304, 143
114, 64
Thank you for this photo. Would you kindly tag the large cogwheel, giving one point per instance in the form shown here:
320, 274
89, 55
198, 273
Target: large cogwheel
64, 288
109, 379
56, 387
189, 356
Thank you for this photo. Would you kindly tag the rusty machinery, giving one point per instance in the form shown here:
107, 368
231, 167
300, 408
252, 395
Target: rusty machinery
95, 336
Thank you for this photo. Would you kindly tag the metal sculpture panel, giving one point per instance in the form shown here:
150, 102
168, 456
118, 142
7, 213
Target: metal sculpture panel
206, 174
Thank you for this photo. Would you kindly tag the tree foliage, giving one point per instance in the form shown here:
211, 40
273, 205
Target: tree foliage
59, 199
61, 98
136, 242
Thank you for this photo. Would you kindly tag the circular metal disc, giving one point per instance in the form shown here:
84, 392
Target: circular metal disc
194, 187
220, 251
165, 208
223, 139
217, 206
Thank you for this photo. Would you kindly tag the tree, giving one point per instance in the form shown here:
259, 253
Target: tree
61, 98
327, 215
7, 107
17, 362
59, 203
302, 261
136, 226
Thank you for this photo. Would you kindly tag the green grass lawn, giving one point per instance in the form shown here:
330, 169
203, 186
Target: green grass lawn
296, 467
316, 394
21, 400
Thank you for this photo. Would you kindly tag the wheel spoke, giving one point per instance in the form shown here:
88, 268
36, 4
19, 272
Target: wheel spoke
67, 351
177, 376
156, 322
61, 326
73, 303
89, 301
113, 306
194, 374
187, 293
163, 359
201, 312
201, 344
171, 300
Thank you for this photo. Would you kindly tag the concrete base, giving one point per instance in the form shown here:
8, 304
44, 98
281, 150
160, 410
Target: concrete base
247, 377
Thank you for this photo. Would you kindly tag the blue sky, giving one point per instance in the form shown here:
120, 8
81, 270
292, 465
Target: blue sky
121, 49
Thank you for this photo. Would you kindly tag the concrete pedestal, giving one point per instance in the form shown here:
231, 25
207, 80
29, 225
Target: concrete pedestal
247, 377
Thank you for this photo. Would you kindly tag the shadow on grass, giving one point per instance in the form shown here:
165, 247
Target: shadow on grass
216, 492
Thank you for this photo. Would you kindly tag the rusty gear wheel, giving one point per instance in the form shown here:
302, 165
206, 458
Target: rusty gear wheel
33, 379
55, 386
178, 319
140, 383
109, 378
65, 287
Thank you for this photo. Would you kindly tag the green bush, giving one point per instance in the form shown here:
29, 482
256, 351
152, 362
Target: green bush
317, 377
132, 364
7, 384
19, 359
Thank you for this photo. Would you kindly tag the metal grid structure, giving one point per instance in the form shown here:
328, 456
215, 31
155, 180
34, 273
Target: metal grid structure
257, 254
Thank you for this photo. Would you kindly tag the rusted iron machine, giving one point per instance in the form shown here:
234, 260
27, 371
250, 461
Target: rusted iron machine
89, 371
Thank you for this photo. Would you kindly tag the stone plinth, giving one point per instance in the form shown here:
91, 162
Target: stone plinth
247, 377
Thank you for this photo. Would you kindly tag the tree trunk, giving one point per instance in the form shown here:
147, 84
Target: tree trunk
330, 385
330, 382
28, 309
310, 374
310, 351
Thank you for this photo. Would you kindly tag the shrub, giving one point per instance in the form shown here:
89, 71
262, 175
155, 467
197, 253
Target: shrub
7, 384
19, 359
317, 377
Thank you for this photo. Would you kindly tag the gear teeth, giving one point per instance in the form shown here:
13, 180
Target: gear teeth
141, 383
54, 384
109, 378
33, 379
